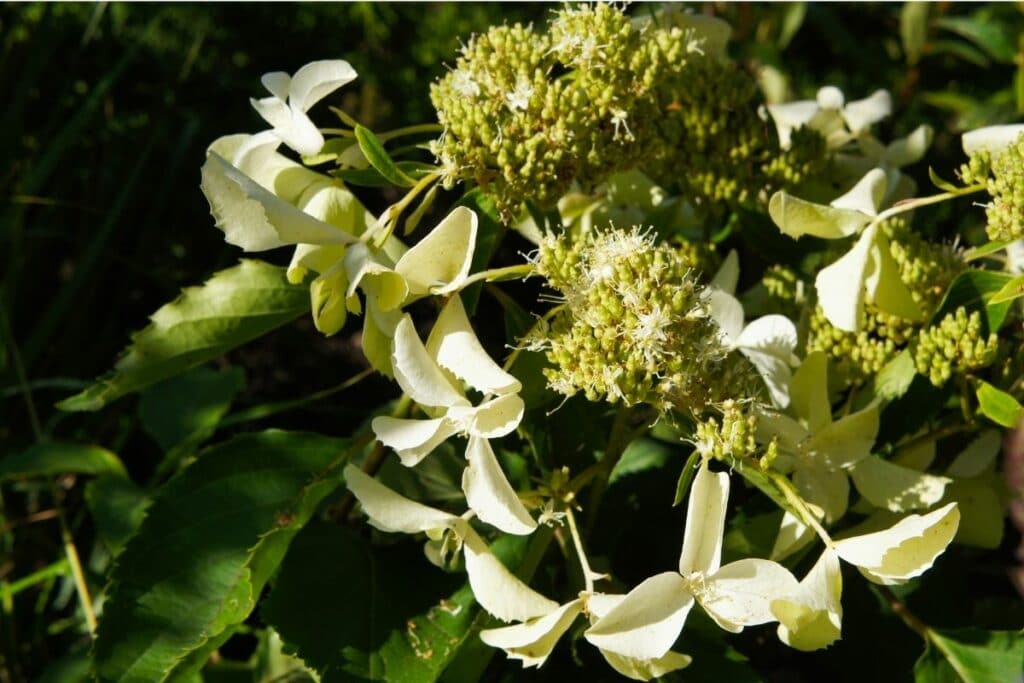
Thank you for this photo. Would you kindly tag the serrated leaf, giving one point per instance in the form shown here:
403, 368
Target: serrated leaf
974, 656
998, 405
118, 507
640, 455
51, 458
379, 158
207, 546
189, 406
1013, 289
973, 289
233, 307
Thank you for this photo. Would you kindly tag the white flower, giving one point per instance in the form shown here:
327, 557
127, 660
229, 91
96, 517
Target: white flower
768, 342
830, 115
865, 274
425, 374
464, 84
811, 617
496, 589
292, 96
520, 97
646, 623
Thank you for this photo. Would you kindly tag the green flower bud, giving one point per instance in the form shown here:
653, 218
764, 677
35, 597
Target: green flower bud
955, 346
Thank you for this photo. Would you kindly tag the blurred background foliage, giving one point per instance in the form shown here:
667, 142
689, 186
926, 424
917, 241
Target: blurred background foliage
108, 110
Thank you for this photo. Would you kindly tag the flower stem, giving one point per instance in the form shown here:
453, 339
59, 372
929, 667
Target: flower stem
917, 202
389, 219
496, 274
588, 573
794, 498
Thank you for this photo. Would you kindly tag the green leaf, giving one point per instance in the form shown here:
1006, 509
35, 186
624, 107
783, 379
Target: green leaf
373, 150
973, 290
961, 49
640, 455
985, 33
975, 253
895, 377
189, 406
686, 478
118, 507
938, 182
349, 610
1011, 290
51, 458
914, 29
998, 405
209, 542
792, 19
233, 307
973, 655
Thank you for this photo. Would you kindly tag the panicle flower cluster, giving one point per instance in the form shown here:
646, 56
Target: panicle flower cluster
730, 437
529, 113
956, 345
634, 326
926, 268
781, 291
1002, 173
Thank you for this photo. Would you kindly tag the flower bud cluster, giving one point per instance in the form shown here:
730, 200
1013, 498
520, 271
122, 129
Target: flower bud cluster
954, 346
926, 268
1003, 177
729, 438
781, 291
635, 325
529, 113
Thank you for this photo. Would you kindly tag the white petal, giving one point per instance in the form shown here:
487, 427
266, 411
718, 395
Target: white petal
336, 205
978, 456
992, 139
491, 419
790, 116
497, 589
728, 274
300, 133
860, 114
844, 442
256, 156
829, 490
317, 80
327, 299
811, 617
389, 511
489, 494
830, 97
727, 311
600, 604
313, 257
768, 343
809, 391
441, 261
273, 110
910, 149
456, 348
255, 219
533, 641
646, 669
841, 285
796, 217
705, 522
277, 82
413, 440
793, 535
885, 289
789, 432
740, 593
867, 195
647, 621
384, 288
904, 550
417, 373
897, 489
